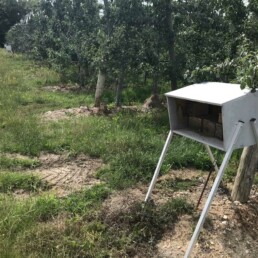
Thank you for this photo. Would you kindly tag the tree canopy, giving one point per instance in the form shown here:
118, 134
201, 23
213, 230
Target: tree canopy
146, 43
11, 12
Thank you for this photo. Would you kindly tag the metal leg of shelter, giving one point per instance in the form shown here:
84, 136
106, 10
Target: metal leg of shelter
156, 173
213, 190
214, 163
204, 187
213, 160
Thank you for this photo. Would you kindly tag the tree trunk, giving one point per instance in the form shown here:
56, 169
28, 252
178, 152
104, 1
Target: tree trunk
102, 72
154, 89
245, 174
82, 76
107, 14
99, 87
171, 45
173, 76
145, 77
119, 90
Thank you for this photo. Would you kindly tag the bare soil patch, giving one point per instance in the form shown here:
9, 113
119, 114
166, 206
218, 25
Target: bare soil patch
122, 200
67, 113
230, 230
62, 88
65, 174
84, 111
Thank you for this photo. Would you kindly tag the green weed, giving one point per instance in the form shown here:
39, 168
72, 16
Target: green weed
143, 224
83, 202
16, 216
175, 208
46, 208
19, 217
22, 136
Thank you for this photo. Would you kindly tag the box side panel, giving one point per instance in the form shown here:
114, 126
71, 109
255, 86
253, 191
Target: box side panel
173, 120
243, 109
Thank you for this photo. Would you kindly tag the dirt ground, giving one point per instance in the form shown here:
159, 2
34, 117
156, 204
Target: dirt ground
231, 229
67, 113
65, 174
62, 88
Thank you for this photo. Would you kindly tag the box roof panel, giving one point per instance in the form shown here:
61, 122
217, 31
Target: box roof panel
216, 93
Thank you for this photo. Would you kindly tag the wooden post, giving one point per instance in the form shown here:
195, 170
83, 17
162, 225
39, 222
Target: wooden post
245, 174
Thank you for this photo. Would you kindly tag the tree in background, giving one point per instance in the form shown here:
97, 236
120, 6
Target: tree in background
251, 23
63, 32
129, 40
11, 12
213, 31
101, 57
125, 48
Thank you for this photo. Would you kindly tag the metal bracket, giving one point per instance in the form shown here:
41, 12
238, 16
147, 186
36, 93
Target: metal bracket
213, 160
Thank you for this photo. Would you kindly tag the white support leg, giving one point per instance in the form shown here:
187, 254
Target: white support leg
156, 173
213, 190
213, 160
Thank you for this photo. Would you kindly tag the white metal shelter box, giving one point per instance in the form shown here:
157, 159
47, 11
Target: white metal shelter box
220, 115
208, 112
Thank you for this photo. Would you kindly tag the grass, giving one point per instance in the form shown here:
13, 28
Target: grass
17, 163
19, 219
178, 184
128, 142
9, 182
120, 234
